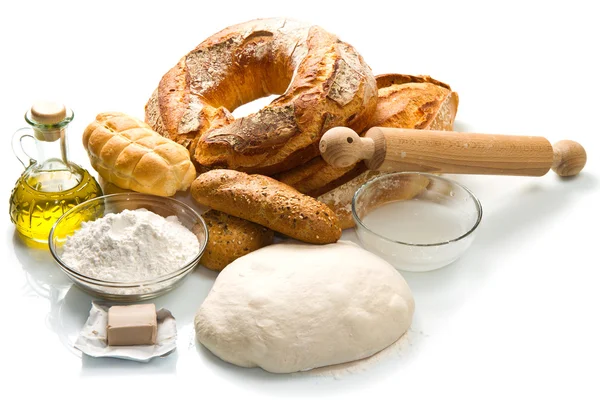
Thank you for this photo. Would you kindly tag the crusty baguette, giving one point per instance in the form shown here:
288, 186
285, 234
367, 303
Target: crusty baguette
127, 153
405, 101
267, 202
231, 237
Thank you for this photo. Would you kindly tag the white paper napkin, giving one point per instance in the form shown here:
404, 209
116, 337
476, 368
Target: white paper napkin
92, 338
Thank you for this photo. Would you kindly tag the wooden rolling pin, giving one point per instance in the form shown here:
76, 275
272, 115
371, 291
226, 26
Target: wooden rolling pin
395, 149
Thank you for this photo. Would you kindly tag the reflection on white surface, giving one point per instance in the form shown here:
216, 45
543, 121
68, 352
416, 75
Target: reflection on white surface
69, 309
515, 317
69, 306
439, 295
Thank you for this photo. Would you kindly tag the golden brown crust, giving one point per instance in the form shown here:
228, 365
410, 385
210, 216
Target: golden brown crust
230, 238
267, 202
414, 102
127, 153
317, 177
405, 101
386, 80
324, 82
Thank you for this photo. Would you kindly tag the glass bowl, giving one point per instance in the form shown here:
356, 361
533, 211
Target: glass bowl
98, 207
416, 221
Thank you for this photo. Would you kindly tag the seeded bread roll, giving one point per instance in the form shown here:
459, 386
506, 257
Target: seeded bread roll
267, 202
230, 237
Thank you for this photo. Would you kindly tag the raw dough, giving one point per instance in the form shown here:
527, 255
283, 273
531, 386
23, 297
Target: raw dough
294, 307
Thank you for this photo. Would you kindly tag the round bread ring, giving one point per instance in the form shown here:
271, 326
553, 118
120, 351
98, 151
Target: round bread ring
323, 83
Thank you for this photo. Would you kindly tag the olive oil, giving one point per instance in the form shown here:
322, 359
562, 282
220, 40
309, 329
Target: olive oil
38, 200
50, 185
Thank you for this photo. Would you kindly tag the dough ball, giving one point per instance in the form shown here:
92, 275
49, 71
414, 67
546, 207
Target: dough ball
293, 307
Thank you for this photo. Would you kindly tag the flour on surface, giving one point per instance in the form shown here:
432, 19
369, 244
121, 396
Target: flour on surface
340, 370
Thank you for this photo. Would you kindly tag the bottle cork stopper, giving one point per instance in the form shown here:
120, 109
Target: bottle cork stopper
48, 113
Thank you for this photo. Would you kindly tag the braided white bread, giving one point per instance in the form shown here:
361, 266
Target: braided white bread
128, 153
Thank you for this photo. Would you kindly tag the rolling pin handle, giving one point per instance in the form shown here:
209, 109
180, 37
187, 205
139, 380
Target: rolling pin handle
569, 158
341, 147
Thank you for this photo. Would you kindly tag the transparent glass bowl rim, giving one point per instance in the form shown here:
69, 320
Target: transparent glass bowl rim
141, 196
367, 184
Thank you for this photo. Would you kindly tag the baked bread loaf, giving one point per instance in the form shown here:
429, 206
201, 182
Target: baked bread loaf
128, 153
267, 202
323, 83
316, 177
405, 101
414, 102
230, 237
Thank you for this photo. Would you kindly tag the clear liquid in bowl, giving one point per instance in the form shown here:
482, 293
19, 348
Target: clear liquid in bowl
417, 222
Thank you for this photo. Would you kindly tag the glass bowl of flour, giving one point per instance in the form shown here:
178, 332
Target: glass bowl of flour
128, 246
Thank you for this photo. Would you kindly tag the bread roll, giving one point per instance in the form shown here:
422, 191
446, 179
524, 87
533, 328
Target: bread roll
267, 202
127, 153
230, 237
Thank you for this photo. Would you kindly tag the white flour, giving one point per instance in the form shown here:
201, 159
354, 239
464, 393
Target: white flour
394, 351
132, 246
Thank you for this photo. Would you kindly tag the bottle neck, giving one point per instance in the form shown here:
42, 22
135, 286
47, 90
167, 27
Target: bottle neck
52, 150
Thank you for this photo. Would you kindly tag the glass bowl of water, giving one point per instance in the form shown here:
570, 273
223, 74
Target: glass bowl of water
416, 221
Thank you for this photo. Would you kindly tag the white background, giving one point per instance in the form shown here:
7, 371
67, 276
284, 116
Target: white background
517, 317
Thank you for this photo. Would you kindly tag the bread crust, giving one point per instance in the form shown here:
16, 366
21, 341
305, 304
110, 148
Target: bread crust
405, 101
267, 202
230, 238
414, 102
323, 83
129, 154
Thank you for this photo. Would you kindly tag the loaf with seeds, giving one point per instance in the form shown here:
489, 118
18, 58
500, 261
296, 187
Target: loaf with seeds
230, 238
269, 203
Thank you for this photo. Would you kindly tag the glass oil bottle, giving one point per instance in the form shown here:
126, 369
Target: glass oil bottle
51, 184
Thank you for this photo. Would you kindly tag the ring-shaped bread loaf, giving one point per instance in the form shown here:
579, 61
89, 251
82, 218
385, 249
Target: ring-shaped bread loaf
323, 82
